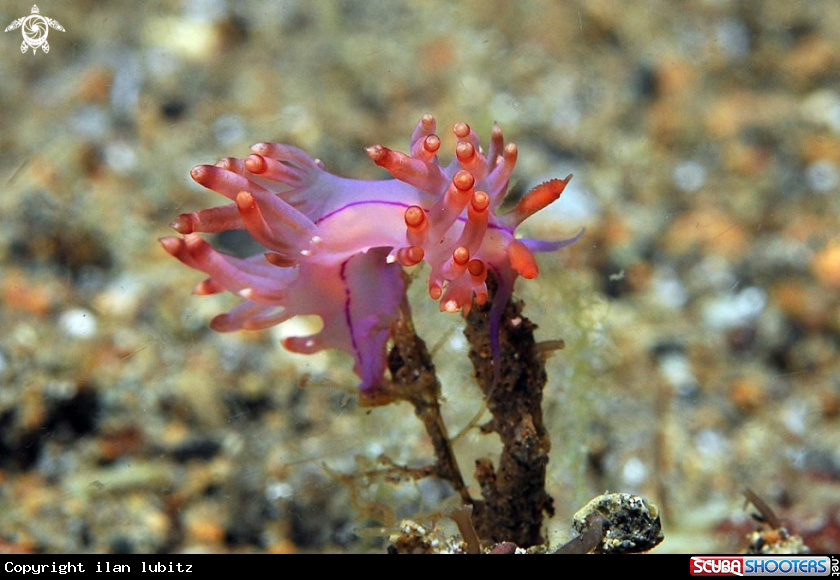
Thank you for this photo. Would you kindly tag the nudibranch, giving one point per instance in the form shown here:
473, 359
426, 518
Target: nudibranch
335, 246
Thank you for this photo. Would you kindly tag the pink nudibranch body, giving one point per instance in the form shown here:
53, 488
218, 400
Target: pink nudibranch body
335, 245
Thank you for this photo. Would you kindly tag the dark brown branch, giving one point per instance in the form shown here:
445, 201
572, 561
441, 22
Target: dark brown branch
414, 380
514, 495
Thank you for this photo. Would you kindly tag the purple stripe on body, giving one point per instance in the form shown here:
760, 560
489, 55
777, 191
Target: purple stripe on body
350, 205
347, 318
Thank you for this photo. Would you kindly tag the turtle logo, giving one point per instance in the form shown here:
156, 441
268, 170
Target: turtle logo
35, 30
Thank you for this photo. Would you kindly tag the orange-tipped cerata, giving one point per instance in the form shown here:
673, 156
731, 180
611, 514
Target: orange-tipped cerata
522, 260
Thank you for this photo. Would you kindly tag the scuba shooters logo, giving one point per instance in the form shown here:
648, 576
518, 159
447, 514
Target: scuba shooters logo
763, 566
35, 29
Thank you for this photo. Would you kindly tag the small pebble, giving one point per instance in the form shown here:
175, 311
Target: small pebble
822, 176
689, 175
826, 266
78, 323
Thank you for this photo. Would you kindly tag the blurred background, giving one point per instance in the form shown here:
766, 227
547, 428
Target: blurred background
700, 311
